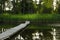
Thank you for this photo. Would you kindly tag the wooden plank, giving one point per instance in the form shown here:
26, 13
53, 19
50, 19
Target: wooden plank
12, 31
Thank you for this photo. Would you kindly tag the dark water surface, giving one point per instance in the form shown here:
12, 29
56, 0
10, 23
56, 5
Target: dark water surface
34, 31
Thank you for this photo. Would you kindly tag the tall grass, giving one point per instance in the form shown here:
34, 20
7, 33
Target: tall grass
32, 17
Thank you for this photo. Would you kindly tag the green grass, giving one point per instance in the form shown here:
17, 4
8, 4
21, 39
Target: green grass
39, 27
32, 17
6, 26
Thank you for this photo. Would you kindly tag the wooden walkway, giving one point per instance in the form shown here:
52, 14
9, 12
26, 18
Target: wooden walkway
12, 31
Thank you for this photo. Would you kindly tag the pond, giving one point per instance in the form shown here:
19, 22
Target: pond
31, 34
34, 31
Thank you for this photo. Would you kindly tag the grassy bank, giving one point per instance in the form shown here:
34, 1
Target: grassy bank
13, 19
32, 17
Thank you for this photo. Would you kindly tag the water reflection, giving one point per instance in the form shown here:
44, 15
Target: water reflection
3, 30
36, 35
52, 34
19, 37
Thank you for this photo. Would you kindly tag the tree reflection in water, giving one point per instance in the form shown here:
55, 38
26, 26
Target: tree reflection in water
36, 35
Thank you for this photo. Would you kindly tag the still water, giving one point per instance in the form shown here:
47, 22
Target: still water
42, 34
35, 34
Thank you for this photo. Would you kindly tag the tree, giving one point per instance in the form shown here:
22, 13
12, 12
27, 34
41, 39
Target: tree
48, 6
1, 5
27, 6
14, 10
4, 4
58, 9
45, 6
40, 7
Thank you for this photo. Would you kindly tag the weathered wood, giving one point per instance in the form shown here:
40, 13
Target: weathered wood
12, 31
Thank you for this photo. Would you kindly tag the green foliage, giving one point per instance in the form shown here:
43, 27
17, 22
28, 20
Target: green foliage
39, 27
1, 2
32, 17
47, 10
48, 3
42, 18
46, 7
27, 6
58, 9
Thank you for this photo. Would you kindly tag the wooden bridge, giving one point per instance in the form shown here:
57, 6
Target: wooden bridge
12, 31
7, 34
